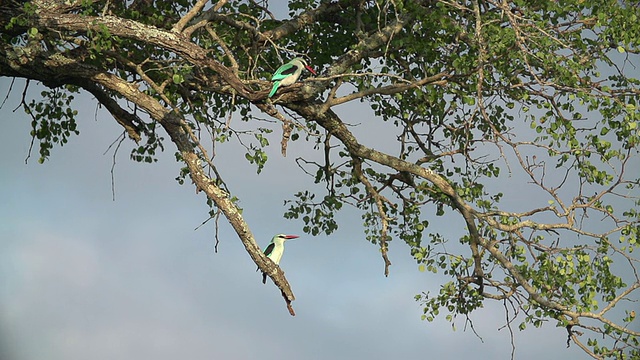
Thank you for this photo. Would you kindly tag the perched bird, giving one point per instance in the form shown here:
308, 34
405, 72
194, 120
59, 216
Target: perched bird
275, 249
289, 73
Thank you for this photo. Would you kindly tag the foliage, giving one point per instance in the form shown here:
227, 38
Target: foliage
458, 98
53, 120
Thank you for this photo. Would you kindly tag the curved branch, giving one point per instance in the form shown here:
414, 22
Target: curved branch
193, 12
332, 123
130, 122
368, 44
438, 79
378, 199
171, 41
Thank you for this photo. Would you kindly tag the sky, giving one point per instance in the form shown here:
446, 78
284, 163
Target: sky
84, 276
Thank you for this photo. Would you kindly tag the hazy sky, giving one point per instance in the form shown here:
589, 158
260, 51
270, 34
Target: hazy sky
86, 277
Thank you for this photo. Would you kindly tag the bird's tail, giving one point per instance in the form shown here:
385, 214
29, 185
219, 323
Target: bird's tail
274, 88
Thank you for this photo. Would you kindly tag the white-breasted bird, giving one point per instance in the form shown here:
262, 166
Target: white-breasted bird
275, 249
289, 73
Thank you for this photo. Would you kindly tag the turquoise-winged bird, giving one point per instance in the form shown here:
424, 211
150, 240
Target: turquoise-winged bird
275, 249
289, 73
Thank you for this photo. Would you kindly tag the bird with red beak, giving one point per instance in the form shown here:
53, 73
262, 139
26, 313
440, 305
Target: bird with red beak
275, 249
289, 73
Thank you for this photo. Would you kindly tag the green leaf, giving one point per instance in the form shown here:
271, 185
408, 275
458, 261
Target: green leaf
178, 78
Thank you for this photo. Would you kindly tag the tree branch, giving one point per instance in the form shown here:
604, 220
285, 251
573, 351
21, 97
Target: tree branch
130, 122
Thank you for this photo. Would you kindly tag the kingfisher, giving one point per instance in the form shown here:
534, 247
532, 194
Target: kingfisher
275, 249
289, 73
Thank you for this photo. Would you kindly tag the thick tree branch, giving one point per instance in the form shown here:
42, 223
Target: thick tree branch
179, 26
171, 41
131, 122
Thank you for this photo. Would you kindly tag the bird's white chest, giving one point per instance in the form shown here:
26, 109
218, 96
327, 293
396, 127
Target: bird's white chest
291, 78
276, 253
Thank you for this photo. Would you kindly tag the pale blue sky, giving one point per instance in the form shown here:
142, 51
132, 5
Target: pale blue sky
85, 277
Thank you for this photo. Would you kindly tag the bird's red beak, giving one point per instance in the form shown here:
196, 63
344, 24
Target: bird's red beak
291, 237
313, 72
